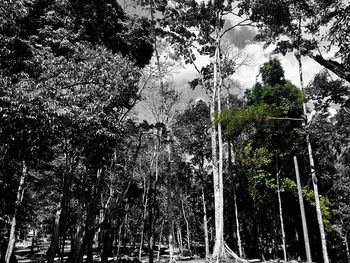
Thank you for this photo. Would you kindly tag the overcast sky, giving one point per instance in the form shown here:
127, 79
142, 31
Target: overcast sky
242, 38
246, 76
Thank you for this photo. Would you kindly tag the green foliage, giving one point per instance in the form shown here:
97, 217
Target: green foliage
327, 207
272, 73
237, 121
288, 184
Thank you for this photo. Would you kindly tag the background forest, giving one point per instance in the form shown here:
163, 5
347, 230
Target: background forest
85, 176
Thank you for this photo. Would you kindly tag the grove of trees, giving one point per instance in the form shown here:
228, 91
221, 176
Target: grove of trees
102, 157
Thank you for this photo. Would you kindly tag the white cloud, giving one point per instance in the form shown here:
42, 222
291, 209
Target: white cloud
247, 76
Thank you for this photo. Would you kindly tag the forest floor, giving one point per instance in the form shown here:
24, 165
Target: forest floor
26, 254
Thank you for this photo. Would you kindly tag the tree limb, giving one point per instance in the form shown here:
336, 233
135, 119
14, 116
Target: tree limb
334, 66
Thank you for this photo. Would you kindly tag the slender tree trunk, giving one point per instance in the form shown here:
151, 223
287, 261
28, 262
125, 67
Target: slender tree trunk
179, 238
150, 223
54, 245
217, 169
76, 254
313, 173
205, 225
54, 237
187, 227
281, 217
311, 159
144, 213
106, 239
120, 234
171, 247
347, 248
302, 212
231, 173
170, 205
238, 230
63, 246
19, 198
160, 241
221, 183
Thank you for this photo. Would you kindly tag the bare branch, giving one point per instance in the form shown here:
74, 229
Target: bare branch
284, 118
242, 23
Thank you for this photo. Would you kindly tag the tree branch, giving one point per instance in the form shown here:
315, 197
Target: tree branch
334, 66
284, 118
242, 23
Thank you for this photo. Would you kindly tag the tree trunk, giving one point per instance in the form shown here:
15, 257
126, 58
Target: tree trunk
120, 234
205, 225
19, 198
89, 247
106, 239
63, 246
187, 227
150, 223
144, 213
217, 176
339, 69
171, 248
347, 248
54, 245
92, 213
170, 205
302, 212
160, 240
231, 173
179, 238
221, 183
281, 217
54, 237
76, 255
313, 172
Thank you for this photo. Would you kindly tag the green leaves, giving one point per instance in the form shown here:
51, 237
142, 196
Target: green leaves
235, 122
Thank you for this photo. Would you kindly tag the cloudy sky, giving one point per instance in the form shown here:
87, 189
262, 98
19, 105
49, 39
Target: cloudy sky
242, 37
246, 76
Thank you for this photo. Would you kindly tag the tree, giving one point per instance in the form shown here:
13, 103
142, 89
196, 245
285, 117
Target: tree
25, 137
268, 144
207, 35
192, 131
329, 134
300, 20
295, 17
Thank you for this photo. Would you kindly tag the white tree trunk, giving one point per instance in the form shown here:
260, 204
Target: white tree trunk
217, 169
214, 165
187, 227
313, 174
281, 218
205, 225
179, 238
302, 212
237, 233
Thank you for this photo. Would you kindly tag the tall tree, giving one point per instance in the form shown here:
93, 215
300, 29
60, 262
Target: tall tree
195, 25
